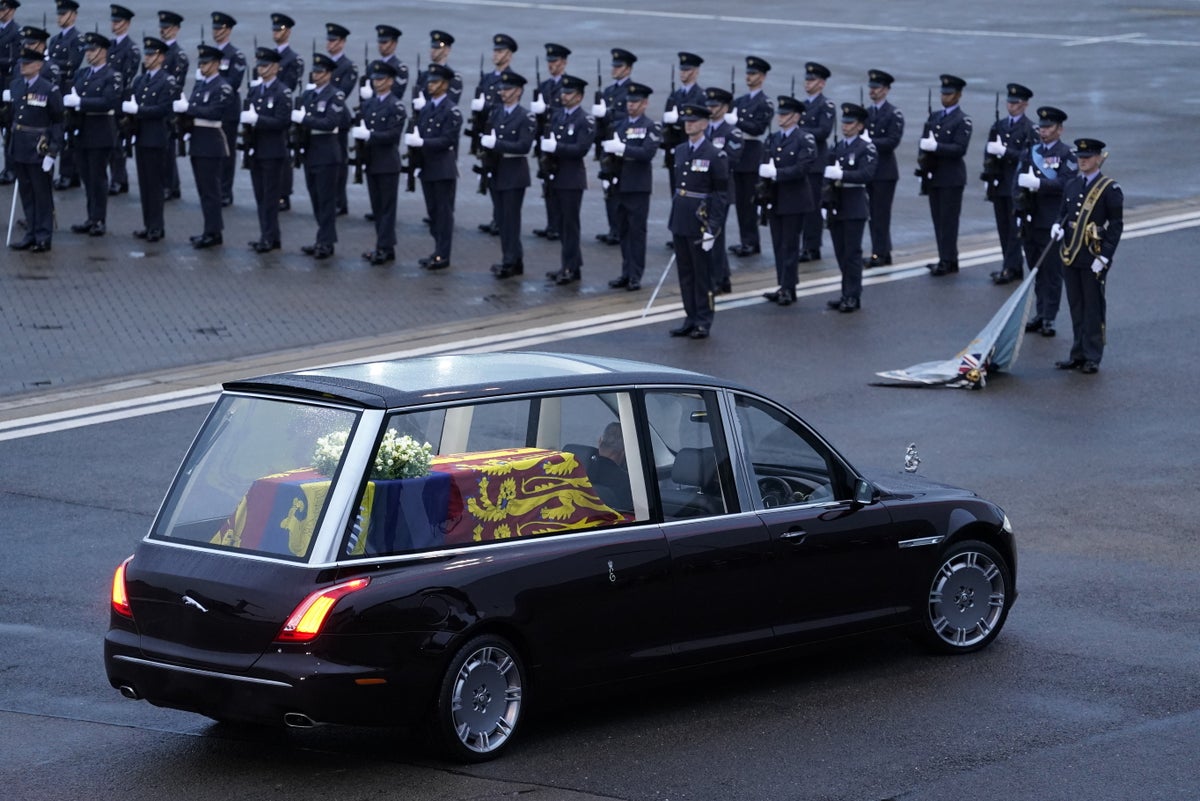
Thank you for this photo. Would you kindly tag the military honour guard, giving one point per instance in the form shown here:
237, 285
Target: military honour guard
125, 57
852, 165
725, 136
512, 129
547, 98
885, 129
942, 168
345, 80
233, 70
1092, 216
819, 118
688, 91
66, 51
267, 119
324, 116
608, 113
387, 39
378, 135
437, 131
150, 107
10, 55
785, 194
441, 44
635, 143
1042, 175
206, 110
753, 112
291, 73
1009, 138
36, 137
95, 97
176, 64
568, 142
485, 101
697, 207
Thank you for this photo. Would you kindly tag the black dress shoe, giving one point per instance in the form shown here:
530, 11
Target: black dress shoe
41, 247
745, 250
724, 288
172, 194
1089, 368
671, 244
835, 304
342, 211
553, 236
773, 296
619, 283
490, 228
509, 270
24, 244
369, 216
1069, 364
1034, 325
323, 252
154, 235
66, 183
565, 278
97, 229
633, 286
849, 305
540, 232
377, 257
699, 332
809, 255
437, 263
308, 250
1005, 277
7, 177
944, 268
207, 241
878, 261
83, 227
117, 189
682, 331
1048, 329
786, 299
226, 202
262, 246
285, 204
141, 233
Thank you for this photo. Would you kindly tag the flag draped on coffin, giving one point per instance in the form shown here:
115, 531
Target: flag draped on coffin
993, 349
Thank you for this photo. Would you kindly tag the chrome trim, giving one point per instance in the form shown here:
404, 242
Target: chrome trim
196, 672
921, 541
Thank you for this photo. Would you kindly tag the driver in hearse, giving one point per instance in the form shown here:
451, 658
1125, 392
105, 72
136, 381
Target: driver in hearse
607, 471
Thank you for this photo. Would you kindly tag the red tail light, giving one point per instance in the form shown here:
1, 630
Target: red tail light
309, 617
120, 599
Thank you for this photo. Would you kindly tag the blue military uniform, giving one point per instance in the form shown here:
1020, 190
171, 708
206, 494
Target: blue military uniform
1016, 135
386, 119
439, 126
153, 92
345, 80
514, 128
819, 116
885, 127
177, 66
574, 133
208, 107
754, 114
485, 101
680, 96
291, 73
847, 208
698, 203
36, 132
390, 33
100, 90
789, 194
126, 58
65, 50
724, 136
549, 92
943, 173
233, 70
615, 96
271, 107
10, 52
326, 117
437, 40
641, 137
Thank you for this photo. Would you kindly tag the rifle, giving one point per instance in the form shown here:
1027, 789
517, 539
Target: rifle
924, 169
673, 135
601, 124
416, 159
362, 152
475, 129
993, 168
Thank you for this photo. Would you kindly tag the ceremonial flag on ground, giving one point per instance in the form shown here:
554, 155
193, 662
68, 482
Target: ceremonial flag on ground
993, 349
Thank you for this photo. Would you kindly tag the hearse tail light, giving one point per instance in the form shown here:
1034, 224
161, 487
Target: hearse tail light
309, 617
120, 598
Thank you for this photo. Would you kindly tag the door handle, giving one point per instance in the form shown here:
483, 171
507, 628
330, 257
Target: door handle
794, 536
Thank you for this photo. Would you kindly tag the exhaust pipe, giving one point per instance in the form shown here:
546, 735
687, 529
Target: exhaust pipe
298, 720
129, 692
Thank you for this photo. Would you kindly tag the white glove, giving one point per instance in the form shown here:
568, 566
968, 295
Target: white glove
1098, 266
129, 107
414, 139
477, 103
48, 164
599, 109
1027, 180
181, 106
248, 117
549, 144
7, 98
418, 102
199, 74
72, 100
866, 137
731, 117
928, 144
768, 170
298, 115
537, 107
614, 146
706, 241
308, 87
996, 148
255, 82
670, 117
488, 140
361, 132
833, 172
1056, 232
365, 92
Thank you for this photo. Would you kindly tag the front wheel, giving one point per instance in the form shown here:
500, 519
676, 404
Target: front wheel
479, 703
968, 599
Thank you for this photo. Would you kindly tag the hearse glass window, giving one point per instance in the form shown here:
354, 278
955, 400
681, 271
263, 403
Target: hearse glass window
500, 470
692, 464
257, 477
790, 464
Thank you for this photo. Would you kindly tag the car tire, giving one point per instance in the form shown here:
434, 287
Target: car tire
480, 700
966, 600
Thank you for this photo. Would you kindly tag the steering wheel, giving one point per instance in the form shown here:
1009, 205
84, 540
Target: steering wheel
775, 491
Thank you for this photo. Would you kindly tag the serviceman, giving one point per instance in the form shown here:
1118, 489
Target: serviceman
1093, 219
345, 80
943, 169
176, 65
485, 101
852, 164
383, 122
151, 99
788, 154
753, 113
688, 91
269, 112
35, 137
125, 57
635, 142
387, 39
233, 70
10, 54
545, 101
819, 117
438, 128
608, 113
1009, 138
697, 205
724, 136
885, 129
512, 129
291, 72
1042, 175
440, 46
569, 140
324, 113
95, 97
208, 107
66, 51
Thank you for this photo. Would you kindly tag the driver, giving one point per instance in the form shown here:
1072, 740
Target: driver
607, 470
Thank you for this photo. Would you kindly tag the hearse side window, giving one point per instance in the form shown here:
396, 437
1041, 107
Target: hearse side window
692, 464
791, 466
502, 470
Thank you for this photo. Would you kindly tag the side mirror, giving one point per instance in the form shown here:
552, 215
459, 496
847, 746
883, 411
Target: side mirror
864, 492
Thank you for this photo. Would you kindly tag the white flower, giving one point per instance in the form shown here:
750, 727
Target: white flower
329, 452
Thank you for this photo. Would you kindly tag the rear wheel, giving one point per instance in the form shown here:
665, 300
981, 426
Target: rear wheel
480, 700
968, 598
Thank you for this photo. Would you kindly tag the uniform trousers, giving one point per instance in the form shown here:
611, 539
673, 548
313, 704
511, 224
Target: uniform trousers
229, 167
507, 207
847, 247
880, 195
785, 239
383, 190
343, 172
814, 223
170, 168
207, 172
611, 201
266, 176
321, 181
1047, 287
719, 255
695, 281
93, 171
632, 213
1085, 299
150, 176
37, 199
570, 201
553, 217
745, 185
68, 161
439, 199
945, 208
1010, 238
117, 170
